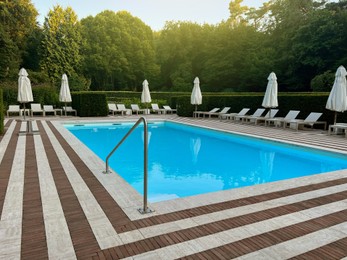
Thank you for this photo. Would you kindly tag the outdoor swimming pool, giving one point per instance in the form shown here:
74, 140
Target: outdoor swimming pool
186, 160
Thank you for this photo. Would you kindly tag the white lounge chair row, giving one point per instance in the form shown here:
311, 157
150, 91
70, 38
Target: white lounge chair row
269, 119
121, 109
36, 109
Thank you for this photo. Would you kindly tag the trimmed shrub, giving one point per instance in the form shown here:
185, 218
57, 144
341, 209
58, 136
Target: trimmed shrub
44, 94
90, 104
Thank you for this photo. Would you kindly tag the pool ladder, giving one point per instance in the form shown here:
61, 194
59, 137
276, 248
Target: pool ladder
145, 208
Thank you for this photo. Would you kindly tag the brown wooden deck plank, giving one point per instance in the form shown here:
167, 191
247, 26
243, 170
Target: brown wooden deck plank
107, 203
234, 203
334, 250
34, 244
6, 165
83, 239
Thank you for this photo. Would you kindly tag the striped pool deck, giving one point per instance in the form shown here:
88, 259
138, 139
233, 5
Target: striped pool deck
55, 203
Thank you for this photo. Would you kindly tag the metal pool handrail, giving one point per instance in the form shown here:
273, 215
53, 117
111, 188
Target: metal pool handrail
145, 209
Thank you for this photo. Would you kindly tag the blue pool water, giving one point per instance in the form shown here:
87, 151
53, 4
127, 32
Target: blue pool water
187, 160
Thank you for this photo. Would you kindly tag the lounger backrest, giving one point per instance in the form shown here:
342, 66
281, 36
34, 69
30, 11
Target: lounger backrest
271, 113
313, 117
134, 107
13, 108
112, 106
243, 112
36, 107
224, 110
259, 111
214, 110
121, 107
48, 108
292, 114
68, 109
167, 107
155, 106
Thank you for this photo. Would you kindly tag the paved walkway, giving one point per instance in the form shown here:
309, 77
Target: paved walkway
55, 203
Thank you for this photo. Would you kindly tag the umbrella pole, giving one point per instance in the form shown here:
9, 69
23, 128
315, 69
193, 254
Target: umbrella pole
196, 107
335, 118
24, 110
65, 108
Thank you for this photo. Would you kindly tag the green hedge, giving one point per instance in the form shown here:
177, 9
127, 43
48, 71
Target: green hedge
43, 94
90, 104
305, 102
2, 113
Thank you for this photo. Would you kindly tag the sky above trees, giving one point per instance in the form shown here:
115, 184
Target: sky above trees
152, 12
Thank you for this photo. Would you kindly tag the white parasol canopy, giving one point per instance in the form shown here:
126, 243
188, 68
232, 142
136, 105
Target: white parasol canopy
65, 95
337, 100
196, 96
270, 97
145, 96
25, 93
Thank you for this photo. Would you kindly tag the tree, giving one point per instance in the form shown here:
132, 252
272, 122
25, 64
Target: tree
61, 43
119, 51
181, 53
18, 21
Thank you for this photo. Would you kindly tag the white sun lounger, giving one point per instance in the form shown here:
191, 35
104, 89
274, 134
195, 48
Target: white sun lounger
156, 109
123, 110
50, 109
310, 120
69, 110
218, 114
136, 109
257, 113
202, 113
36, 108
112, 108
169, 110
13, 109
232, 116
257, 119
278, 121
336, 127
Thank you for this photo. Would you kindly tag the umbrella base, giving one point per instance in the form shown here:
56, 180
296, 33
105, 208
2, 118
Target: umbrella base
28, 129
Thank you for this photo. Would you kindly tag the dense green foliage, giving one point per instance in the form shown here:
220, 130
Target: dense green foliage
2, 113
46, 95
302, 41
90, 104
119, 51
61, 43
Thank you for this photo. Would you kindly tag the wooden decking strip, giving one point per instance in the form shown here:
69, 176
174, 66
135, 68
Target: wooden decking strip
335, 250
86, 245
33, 244
112, 210
6, 165
248, 245
189, 213
82, 236
219, 226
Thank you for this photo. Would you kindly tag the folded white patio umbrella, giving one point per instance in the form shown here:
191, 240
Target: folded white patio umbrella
270, 97
145, 95
337, 100
64, 94
25, 93
196, 96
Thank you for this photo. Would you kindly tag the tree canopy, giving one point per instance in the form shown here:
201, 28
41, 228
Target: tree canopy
302, 41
